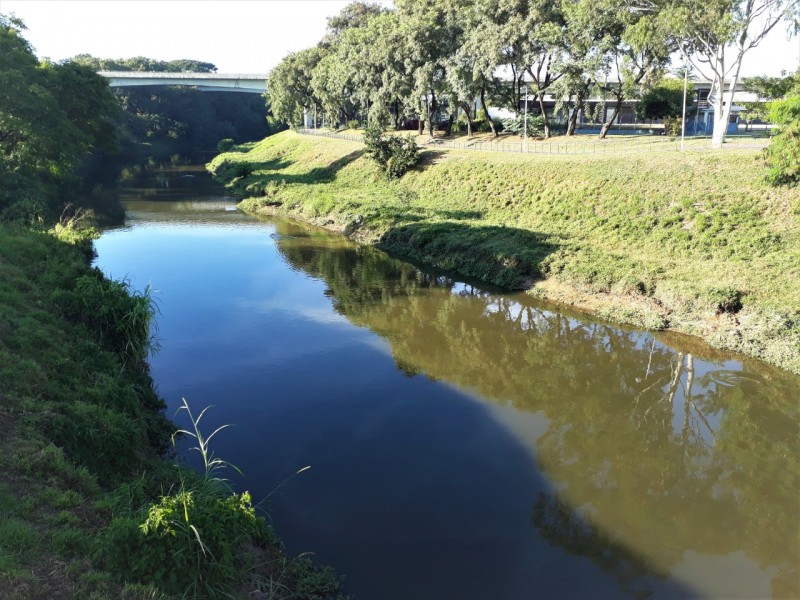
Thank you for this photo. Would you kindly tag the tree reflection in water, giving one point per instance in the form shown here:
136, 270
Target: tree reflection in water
652, 450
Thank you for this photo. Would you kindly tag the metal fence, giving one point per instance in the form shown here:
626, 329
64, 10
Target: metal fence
329, 134
578, 146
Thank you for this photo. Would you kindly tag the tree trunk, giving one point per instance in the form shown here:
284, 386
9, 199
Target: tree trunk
722, 111
449, 128
486, 111
572, 121
432, 107
396, 114
420, 120
465, 108
540, 98
607, 125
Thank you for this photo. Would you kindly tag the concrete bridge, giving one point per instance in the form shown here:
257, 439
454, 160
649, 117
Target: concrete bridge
208, 82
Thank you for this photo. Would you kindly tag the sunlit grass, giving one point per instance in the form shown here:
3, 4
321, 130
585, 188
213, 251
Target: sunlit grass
693, 232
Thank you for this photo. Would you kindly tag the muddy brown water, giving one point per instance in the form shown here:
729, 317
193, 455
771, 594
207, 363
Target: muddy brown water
464, 443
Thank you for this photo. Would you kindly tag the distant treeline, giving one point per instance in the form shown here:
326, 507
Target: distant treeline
142, 63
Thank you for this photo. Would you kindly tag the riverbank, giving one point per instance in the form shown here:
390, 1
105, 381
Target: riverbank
694, 242
92, 505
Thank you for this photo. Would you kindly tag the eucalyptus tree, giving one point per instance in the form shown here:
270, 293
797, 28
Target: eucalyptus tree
289, 90
715, 35
545, 46
331, 86
589, 35
335, 79
475, 61
490, 44
641, 53
373, 57
433, 37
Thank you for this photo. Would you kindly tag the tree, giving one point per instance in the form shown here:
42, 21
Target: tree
783, 154
39, 145
640, 53
433, 36
663, 100
590, 35
289, 90
766, 89
716, 34
142, 63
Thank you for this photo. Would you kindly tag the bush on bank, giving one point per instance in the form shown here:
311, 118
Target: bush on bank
697, 241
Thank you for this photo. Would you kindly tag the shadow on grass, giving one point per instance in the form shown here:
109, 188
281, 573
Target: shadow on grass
428, 157
270, 171
415, 215
506, 256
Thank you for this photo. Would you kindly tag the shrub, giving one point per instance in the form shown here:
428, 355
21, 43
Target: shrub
120, 316
225, 144
394, 154
783, 156
672, 126
516, 125
353, 124
189, 542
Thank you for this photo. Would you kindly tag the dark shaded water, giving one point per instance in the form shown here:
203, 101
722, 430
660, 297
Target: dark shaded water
463, 444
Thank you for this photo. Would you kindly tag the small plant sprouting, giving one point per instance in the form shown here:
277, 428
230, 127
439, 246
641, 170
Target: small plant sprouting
211, 464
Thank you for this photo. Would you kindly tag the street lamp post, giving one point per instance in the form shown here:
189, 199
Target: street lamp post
683, 120
525, 123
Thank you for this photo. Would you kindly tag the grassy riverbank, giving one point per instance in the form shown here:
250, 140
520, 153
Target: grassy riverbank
696, 242
90, 508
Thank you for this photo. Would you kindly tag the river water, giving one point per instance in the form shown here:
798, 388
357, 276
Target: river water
463, 443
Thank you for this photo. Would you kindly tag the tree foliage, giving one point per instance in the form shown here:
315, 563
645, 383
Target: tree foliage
142, 63
54, 119
442, 61
664, 100
783, 154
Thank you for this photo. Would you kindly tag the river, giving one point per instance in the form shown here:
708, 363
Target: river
464, 443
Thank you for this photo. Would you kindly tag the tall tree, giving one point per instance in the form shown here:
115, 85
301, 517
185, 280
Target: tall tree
433, 37
545, 47
641, 54
289, 90
590, 36
716, 34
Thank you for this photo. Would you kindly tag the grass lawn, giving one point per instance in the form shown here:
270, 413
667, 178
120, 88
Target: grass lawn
692, 241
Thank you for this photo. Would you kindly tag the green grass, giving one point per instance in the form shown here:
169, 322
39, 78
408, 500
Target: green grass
693, 241
82, 442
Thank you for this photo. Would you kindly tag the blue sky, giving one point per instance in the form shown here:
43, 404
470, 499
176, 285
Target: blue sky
239, 36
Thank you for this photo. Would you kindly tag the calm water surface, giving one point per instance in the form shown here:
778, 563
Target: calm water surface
464, 444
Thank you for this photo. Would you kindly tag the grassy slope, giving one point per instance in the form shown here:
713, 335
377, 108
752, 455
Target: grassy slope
81, 434
695, 242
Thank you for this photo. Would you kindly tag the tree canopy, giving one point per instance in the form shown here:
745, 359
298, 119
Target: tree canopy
53, 118
142, 63
439, 60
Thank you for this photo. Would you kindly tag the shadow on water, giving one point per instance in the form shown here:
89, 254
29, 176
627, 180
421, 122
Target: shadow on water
558, 456
655, 456
507, 256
